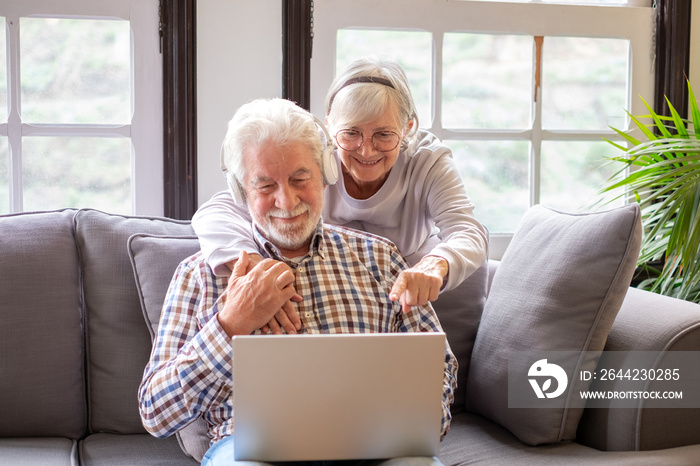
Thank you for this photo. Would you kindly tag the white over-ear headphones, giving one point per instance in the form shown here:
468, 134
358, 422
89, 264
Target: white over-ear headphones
329, 167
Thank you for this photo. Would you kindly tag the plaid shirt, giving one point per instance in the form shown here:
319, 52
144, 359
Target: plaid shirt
345, 281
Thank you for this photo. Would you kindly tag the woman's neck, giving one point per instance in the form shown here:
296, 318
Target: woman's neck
362, 189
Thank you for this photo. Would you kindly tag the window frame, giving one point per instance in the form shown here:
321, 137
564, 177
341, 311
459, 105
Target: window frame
298, 51
670, 18
147, 152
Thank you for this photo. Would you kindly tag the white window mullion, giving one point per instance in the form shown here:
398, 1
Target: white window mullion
536, 141
436, 124
14, 128
75, 130
147, 121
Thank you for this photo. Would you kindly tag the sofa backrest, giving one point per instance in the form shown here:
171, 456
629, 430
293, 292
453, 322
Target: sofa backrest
42, 383
118, 343
459, 311
62, 344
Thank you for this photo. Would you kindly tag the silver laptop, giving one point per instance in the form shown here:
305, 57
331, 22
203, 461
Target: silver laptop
339, 396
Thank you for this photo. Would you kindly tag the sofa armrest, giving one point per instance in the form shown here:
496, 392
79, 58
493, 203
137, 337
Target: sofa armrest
647, 322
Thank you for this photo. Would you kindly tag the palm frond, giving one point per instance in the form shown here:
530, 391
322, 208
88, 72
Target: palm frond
663, 174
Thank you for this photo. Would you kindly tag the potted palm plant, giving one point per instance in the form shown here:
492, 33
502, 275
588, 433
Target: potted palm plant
664, 178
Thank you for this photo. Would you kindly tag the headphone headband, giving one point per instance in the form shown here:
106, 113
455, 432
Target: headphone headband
360, 79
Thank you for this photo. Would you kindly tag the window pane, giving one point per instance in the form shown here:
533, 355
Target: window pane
573, 173
584, 83
495, 175
77, 172
75, 71
4, 177
487, 81
3, 71
413, 50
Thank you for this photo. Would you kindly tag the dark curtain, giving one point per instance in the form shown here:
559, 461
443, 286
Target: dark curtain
297, 37
178, 45
672, 55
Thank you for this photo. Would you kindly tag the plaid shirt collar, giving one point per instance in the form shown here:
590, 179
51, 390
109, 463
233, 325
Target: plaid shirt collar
268, 249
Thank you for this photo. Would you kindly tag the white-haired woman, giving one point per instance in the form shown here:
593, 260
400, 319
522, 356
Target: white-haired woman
396, 181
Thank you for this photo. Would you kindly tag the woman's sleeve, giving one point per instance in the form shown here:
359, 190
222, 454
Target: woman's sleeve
463, 239
224, 230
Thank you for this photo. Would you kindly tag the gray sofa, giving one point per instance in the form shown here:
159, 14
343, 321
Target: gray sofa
74, 339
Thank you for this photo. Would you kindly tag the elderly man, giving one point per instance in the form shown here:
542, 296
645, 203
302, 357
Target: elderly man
276, 153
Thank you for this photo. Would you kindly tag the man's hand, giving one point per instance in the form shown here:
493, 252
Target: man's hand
253, 298
286, 319
421, 283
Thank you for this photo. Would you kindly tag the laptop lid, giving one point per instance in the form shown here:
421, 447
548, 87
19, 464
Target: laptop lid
337, 396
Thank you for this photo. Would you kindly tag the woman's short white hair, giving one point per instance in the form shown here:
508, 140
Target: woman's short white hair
261, 121
351, 101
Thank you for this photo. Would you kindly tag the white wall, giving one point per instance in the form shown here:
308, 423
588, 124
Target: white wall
239, 58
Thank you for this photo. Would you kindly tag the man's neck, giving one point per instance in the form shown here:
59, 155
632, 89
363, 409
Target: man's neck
291, 254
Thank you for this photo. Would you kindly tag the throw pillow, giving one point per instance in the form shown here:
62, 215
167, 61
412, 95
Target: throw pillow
117, 342
459, 311
558, 288
154, 260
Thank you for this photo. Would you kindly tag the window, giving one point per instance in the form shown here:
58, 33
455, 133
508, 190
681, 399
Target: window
80, 120
522, 93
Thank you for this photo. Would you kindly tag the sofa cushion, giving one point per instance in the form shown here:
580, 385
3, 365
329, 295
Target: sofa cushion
475, 440
129, 450
459, 311
118, 340
38, 451
558, 288
42, 383
154, 260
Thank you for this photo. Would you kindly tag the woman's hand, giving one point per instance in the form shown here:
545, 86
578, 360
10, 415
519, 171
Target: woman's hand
421, 283
286, 318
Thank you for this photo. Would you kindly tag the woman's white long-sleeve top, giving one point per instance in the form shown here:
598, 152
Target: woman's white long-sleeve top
422, 207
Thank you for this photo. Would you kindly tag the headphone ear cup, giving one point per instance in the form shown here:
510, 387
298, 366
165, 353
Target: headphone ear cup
330, 166
236, 190
233, 185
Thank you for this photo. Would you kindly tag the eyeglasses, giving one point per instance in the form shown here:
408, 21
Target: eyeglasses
352, 140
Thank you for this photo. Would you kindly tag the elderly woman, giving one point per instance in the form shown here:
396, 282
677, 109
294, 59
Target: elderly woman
396, 181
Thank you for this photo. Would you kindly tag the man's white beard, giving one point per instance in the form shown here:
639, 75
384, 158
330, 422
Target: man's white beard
290, 237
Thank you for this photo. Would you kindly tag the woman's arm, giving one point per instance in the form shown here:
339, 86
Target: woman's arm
461, 246
224, 230
463, 239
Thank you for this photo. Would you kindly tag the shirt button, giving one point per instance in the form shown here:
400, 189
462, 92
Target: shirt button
308, 314
301, 269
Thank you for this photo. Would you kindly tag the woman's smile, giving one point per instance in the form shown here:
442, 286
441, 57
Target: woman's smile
368, 162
